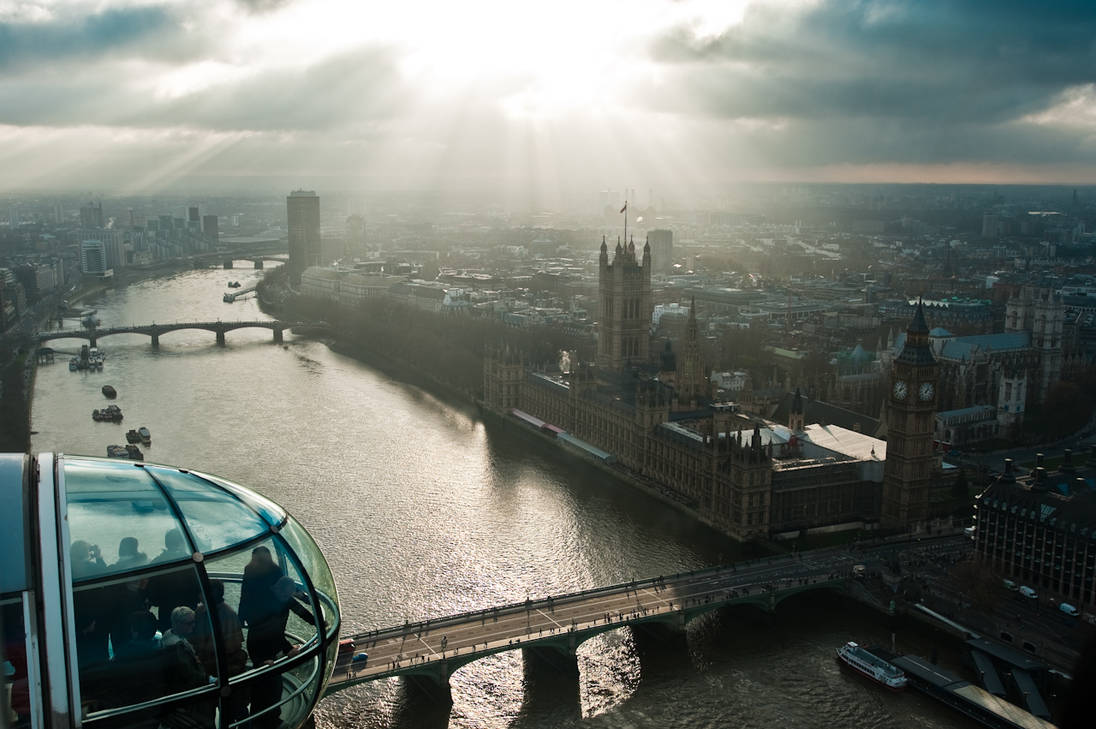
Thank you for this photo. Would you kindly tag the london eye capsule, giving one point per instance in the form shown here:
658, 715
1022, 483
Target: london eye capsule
137, 595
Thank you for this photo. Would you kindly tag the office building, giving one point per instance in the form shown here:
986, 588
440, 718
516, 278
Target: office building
303, 213
1040, 529
209, 228
93, 257
662, 250
91, 215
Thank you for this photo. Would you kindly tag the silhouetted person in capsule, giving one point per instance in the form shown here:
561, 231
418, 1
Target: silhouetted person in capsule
178, 588
231, 640
138, 662
184, 670
266, 642
85, 559
256, 588
129, 556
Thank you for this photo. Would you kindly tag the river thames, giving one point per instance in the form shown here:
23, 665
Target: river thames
424, 509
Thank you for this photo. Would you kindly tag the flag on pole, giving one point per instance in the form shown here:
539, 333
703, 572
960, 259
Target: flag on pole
625, 208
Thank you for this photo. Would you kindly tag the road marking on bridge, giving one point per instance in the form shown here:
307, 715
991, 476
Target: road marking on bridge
656, 596
432, 651
549, 618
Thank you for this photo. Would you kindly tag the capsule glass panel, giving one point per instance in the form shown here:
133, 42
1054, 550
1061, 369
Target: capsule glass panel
118, 520
135, 639
216, 519
268, 594
316, 566
271, 512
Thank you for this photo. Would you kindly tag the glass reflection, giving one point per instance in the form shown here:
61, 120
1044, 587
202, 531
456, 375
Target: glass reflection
271, 512
117, 504
216, 519
316, 567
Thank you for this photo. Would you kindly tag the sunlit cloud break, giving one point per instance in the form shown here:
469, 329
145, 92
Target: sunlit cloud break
553, 98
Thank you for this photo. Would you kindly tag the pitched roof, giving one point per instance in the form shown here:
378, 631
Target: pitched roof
962, 348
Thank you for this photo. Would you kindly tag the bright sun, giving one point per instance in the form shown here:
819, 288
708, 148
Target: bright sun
536, 60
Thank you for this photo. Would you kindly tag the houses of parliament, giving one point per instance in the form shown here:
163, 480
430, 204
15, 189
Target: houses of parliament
649, 417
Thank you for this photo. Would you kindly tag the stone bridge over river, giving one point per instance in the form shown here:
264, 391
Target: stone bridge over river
155, 331
550, 629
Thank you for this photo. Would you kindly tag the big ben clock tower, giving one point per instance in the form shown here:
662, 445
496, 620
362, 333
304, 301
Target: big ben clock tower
910, 470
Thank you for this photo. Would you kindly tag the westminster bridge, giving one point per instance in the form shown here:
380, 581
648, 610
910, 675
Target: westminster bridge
155, 331
549, 629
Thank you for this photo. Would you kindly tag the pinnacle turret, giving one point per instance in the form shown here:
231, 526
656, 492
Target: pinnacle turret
918, 325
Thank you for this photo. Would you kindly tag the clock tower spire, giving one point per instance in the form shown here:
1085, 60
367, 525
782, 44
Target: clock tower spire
910, 471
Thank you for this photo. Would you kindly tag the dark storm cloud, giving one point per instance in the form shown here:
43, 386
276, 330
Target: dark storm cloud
923, 81
351, 91
150, 31
871, 141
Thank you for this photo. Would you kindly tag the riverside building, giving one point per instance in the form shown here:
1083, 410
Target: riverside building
1040, 529
657, 424
303, 215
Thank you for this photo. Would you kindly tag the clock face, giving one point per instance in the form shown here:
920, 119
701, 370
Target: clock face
925, 391
900, 389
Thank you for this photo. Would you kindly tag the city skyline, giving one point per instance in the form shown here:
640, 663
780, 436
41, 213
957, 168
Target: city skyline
542, 105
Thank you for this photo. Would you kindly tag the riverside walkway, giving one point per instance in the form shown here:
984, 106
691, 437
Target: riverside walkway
551, 628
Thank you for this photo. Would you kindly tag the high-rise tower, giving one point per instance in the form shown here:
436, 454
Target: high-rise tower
662, 250
303, 212
910, 469
624, 290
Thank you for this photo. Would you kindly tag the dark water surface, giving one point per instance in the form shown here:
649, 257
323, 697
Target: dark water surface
424, 509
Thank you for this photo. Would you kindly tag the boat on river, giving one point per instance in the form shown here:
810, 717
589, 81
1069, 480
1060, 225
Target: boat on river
134, 453
109, 391
132, 436
145, 435
110, 414
868, 664
117, 451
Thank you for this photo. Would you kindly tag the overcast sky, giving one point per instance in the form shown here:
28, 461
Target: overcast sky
543, 100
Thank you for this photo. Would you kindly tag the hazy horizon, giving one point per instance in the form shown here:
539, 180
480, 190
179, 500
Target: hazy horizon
542, 105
